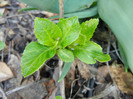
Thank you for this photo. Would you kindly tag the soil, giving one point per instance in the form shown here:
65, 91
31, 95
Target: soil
82, 81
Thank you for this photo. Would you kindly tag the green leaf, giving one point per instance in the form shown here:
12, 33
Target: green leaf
96, 51
90, 52
34, 57
70, 28
53, 5
123, 56
83, 55
65, 55
2, 45
81, 14
120, 20
65, 70
88, 28
58, 97
28, 8
81, 40
84, 13
46, 31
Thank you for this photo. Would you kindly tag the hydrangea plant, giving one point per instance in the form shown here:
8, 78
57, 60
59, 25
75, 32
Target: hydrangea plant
68, 39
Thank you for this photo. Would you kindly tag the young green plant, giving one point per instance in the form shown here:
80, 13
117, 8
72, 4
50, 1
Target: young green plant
2, 45
68, 39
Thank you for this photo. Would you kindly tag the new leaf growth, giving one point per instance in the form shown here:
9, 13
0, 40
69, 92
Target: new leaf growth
68, 39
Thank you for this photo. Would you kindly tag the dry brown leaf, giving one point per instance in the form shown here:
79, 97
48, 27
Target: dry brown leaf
14, 96
124, 80
14, 64
107, 90
11, 32
22, 5
49, 14
86, 70
5, 72
50, 86
3, 3
52, 96
2, 20
34, 90
102, 74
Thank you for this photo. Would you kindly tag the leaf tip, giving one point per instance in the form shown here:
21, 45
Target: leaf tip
36, 18
59, 80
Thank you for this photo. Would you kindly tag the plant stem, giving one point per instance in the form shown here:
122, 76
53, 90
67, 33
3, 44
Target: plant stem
3, 94
61, 8
62, 85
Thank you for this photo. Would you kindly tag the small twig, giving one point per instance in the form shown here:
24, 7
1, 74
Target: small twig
87, 88
105, 92
3, 93
116, 51
9, 50
108, 49
31, 15
61, 8
76, 93
14, 16
72, 87
2, 55
18, 88
78, 90
112, 51
24, 86
48, 66
62, 85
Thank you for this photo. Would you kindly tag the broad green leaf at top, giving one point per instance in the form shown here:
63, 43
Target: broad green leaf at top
34, 57
2, 45
70, 28
47, 32
120, 20
53, 5
65, 55
90, 52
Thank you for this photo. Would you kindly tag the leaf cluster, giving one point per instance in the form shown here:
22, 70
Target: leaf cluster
68, 39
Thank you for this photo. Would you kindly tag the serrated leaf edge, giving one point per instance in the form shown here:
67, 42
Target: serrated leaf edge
25, 75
